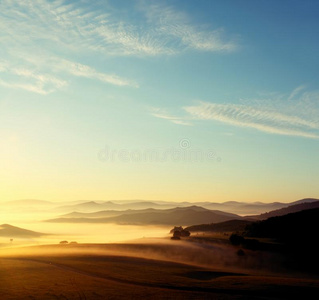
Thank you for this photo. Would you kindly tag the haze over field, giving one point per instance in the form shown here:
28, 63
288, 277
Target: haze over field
89, 221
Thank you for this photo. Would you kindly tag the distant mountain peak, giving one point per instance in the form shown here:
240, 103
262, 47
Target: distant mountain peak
192, 207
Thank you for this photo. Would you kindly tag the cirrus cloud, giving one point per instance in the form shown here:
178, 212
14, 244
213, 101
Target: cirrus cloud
294, 114
36, 31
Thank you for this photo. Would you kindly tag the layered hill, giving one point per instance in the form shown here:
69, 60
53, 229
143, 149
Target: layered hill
290, 209
241, 208
85, 206
106, 213
294, 227
240, 225
227, 226
7, 230
177, 216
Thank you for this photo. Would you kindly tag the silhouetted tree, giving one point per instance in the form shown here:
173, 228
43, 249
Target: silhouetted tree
185, 233
176, 228
176, 235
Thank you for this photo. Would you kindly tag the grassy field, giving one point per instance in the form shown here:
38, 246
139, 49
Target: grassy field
136, 271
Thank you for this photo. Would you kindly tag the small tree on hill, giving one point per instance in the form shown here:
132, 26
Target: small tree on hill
176, 235
185, 233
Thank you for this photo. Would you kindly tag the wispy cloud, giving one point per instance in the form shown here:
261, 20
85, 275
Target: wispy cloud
294, 114
296, 91
163, 114
36, 38
44, 75
29, 79
160, 30
182, 122
263, 120
177, 29
81, 70
36, 88
286, 119
34, 33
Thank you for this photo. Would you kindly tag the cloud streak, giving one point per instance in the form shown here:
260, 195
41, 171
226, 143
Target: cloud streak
81, 70
162, 114
29, 79
36, 33
294, 114
177, 29
161, 30
37, 37
265, 118
33, 77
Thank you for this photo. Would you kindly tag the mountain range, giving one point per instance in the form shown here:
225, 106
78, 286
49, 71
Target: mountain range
240, 208
177, 216
197, 218
84, 206
263, 223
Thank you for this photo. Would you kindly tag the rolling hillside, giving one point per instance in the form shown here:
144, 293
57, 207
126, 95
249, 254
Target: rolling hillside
287, 210
227, 226
294, 227
7, 230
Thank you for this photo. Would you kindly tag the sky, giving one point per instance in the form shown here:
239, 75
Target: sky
175, 100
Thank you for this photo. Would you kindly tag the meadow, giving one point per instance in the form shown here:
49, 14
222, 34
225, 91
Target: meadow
157, 268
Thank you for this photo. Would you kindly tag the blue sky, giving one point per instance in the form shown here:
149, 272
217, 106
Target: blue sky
89, 88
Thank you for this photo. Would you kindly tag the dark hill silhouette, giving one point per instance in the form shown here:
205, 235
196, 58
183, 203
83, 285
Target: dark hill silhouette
177, 216
290, 209
298, 234
7, 230
304, 200
227, 226
296, 227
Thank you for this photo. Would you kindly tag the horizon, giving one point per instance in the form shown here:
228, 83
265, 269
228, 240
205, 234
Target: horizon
123, 201
205, 101
124, 221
